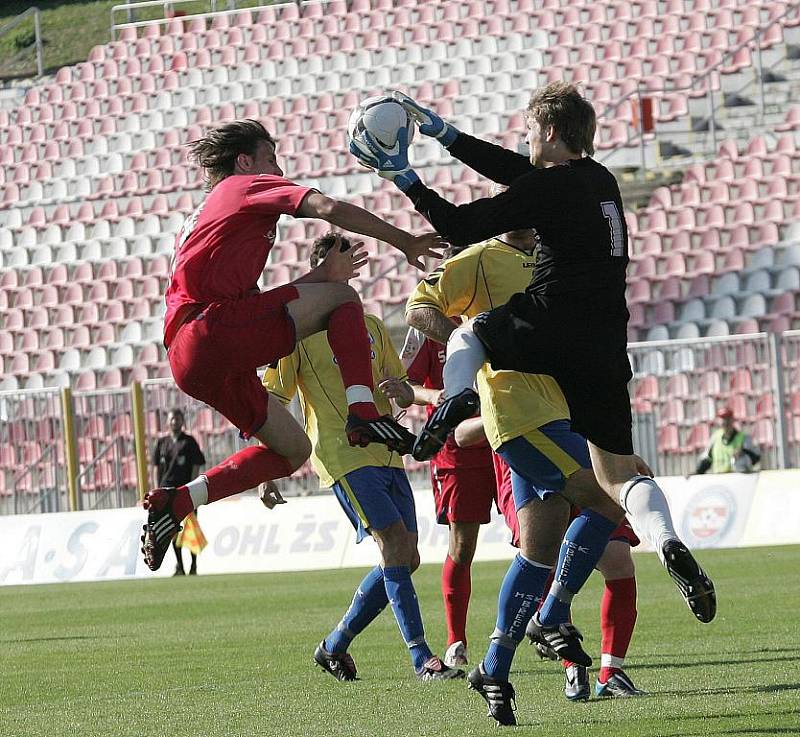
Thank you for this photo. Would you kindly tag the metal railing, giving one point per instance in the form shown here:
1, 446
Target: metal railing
677, 388
32, 475
172, 9
37, 35
683, 383
707, 80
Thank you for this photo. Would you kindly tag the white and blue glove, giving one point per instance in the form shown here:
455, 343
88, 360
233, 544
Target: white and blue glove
391, 164
428, 122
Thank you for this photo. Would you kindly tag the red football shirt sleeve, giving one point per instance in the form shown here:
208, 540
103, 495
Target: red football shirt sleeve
415, 356
271, 195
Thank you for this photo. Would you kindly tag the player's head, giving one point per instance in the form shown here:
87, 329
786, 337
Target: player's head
323, 244
175, 420
561, 124
725, 417
241, 147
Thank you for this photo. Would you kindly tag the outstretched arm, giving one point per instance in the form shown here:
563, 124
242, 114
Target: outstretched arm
490, 160
357, 220
485, 218
494, 162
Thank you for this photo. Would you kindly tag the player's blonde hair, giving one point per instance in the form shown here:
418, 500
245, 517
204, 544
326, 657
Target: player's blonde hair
561, 105
216, 152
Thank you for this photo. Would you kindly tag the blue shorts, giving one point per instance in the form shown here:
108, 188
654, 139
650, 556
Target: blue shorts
375, 497
542, 460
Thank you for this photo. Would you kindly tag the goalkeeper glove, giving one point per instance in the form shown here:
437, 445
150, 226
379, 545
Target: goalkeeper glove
391, 164
430, 124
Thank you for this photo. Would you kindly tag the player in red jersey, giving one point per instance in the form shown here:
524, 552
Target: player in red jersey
219, 328
463, 487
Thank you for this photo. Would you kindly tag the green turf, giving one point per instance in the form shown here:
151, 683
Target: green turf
230, 656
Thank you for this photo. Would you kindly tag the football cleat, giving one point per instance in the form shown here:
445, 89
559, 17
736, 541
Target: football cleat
445, 418
564, 639
576, 683
340, 665
545, 652
456, 655
498, 695
695, 586
618, 686
384, 429
435, 670
162, 526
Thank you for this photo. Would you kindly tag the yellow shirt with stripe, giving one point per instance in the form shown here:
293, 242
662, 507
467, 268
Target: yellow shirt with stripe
478, 279
312, 370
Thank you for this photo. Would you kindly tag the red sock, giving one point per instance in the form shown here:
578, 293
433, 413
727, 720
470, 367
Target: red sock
245, 470
617, 620
349, 341
456, 590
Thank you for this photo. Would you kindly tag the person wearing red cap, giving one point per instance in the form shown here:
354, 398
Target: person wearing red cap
729, 449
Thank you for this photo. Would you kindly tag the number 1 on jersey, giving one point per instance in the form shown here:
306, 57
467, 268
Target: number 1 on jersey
611, 213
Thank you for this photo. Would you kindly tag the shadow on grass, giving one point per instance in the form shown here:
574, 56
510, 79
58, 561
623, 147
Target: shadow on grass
766, 689
728, 661
747, 730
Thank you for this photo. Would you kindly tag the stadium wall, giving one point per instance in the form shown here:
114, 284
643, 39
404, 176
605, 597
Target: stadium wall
723, 511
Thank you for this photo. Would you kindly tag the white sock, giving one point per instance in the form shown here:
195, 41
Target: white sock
198, 490
465, 355
356, 393
648, 511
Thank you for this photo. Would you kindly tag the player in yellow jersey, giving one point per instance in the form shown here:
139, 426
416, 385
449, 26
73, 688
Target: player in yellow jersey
371, 486
526, 420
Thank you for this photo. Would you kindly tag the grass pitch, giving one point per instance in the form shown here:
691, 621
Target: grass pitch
230, 656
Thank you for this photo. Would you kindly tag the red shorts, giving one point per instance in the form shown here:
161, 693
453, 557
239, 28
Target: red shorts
505, 497
623, 533
214, 356
463, 494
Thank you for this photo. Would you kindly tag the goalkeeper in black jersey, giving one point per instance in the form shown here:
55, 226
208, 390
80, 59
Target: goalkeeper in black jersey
570, 323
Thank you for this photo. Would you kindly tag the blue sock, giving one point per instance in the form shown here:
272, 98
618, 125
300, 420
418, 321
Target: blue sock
520, 594
405, 606
584, 542
368, 602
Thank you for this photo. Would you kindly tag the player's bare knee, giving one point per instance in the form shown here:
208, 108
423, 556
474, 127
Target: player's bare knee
547, 555
616, 561
346, 293
462, 541
462, 551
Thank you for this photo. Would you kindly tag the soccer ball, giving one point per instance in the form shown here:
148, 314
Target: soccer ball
383, 117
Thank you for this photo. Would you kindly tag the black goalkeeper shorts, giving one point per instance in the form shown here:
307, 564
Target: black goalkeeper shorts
590, 365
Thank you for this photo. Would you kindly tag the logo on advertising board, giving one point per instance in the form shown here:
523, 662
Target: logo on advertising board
709, 516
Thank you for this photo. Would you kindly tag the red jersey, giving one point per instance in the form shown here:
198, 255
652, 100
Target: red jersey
223, 246
423, 360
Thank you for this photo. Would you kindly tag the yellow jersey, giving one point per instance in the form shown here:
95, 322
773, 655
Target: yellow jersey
312, 370
478, 279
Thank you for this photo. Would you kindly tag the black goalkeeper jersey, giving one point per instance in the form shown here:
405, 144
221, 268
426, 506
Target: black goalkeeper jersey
576, 209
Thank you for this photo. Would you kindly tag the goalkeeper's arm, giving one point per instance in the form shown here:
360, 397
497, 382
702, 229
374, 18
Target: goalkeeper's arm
489, 160
494, 162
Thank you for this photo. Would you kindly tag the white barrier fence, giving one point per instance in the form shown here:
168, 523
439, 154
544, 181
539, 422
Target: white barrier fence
311, 533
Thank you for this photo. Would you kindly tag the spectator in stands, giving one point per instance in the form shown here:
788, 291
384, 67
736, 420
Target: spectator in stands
176, 460
729, 449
